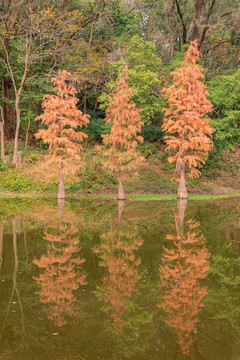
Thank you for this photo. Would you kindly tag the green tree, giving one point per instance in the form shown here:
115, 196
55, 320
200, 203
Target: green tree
145, 73
224, 95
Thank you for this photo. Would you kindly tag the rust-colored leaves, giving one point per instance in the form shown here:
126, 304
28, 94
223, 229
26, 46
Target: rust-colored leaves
188, 131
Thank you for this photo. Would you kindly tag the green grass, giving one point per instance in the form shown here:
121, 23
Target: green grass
157, 197
135, 197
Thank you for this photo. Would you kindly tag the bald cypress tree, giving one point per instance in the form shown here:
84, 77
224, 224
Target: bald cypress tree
62, 121
120, 155
188, 131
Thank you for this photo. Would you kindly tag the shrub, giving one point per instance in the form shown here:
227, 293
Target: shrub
152, 133
96, 127
224, 95
14, 181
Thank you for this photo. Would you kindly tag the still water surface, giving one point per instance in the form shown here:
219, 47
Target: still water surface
108, 281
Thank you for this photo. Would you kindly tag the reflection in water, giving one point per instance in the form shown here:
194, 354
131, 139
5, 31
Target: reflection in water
130, 328
117, 252
60, 277
1, 244
15, 290
183, 265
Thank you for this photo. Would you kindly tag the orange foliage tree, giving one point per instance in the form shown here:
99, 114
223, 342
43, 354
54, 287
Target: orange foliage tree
182, 267
62, 119
60, 277
188, 132
117, 252
120, 155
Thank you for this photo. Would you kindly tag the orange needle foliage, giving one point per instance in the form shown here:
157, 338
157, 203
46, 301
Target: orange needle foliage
120, 155
117, 252
62, 119
181, 269
188, 132
60, 278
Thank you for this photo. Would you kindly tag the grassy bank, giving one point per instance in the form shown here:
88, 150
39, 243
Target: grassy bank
220, 177
129, 197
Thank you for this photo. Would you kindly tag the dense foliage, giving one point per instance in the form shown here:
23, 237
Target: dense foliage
188, 131
95, 40
120, 155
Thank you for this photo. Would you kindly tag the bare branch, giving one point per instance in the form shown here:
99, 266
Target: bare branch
221, 43
184, 29
8, 66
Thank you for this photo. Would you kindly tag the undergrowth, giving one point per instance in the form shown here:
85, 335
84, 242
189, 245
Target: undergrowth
154, 177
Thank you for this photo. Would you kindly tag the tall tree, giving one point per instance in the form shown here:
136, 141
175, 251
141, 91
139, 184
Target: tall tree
188, 132
182, 21
32, 38
120, 155
9, 13
63, 119
28, 45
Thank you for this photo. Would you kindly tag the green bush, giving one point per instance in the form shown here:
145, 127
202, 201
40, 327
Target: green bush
95, 128
2, 167
224, 95
14, 181
152, 133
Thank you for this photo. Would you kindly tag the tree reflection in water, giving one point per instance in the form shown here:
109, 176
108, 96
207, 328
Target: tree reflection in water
62, 272
183, 265
118, 254
15, 287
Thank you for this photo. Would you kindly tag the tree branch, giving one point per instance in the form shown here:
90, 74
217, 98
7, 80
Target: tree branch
184, 29
8, 66
221, 43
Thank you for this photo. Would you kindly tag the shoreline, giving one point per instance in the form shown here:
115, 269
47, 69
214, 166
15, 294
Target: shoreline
104, 196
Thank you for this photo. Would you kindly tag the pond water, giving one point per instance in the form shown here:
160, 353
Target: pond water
102, 280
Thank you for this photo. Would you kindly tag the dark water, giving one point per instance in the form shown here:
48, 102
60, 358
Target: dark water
101, 282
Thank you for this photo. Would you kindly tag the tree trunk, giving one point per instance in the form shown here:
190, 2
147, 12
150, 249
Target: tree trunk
120, 189
196, 19
11, 114
61, 188
2, 136
182, 189
39, 108
91, 35
29, 123
18, 113
169, 17
178, 166
5, 119
2, 142
96, 104
15, 151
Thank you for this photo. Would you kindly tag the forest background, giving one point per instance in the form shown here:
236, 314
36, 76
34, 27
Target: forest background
94, 40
